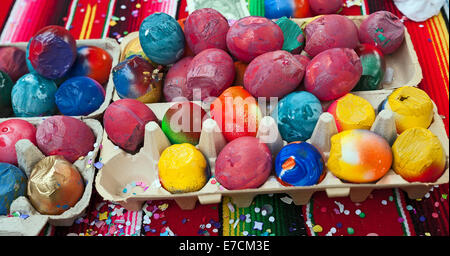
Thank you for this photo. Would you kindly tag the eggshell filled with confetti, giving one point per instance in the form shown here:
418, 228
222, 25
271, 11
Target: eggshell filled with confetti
6, 85
79, 96
11, 131
54, 186
418, 155
65, 136
359, 156
352, 112
13, 62
244, 163
374, 68
13, 184
243, 35
124, 121
299, 164
175, 80
162, 38
182, 168
274, 9
134, 48
325, 6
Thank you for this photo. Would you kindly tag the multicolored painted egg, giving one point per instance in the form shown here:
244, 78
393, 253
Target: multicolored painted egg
12, 62
13, 184
245, 32
237, 113
418, 155
297, 115
325, 6
125, 121
352, 112
275, 9
330, 31
11, 131
294, 38
134, 48
206, 28
182, 123
244, 163
55, 185
33, 96
93, 62
6, 85
359, 156
162, 38
333, 73
175, 80
52, 51
374, 68
182, 168
299, 164
65, 136
135, 78
412, 107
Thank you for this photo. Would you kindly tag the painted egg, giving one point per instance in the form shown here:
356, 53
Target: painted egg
125, 121
240, 68
297, 115
11, 131
12, 62
275, 9
352, 112
384, 30
299, 164
330, 31
325, 6
237, 113
374, 66
134, 48
210, 73
13, 184
418, 155
33, 96
359, 156
52, 52
273, 74
333, 73
182, 168
244, 163
134, 78
55, 185
6, 85
93, 62
182, 123
294, 38
65, 136
302, 9
175, 80
162, 38
206, 28
252, 36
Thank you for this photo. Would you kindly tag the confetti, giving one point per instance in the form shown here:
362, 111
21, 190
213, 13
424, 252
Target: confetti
286, 200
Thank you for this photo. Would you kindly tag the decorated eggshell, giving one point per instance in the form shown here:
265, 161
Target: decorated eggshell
206, 28
244, 163
252, 36
210, 73
302, 9
330, 31
52, 52
93, 62
237, 113
275, 9
359, 156
352, 112
325, 6
135, 78
240, 68
273, 74
299, 164
182, 168
134, 48
175, 80
11, 131
12, 62
333, 73
65, 136
384, 30
13, 184
125, 121
374, 68
297, 115
55, 185
182, 123
6, 86
33, 96
418, 155
294, 38
162, 38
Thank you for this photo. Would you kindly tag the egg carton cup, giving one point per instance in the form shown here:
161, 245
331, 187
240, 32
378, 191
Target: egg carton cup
121, 169
28, 155
108, 44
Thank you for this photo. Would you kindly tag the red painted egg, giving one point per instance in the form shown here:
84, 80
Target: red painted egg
325, 6
176, 79
11, 131
13, 62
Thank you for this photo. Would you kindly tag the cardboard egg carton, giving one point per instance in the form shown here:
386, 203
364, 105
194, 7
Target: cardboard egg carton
108, 44
122, 169
28, 155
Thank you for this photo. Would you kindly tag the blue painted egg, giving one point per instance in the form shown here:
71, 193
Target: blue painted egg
275, 9
13, 184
